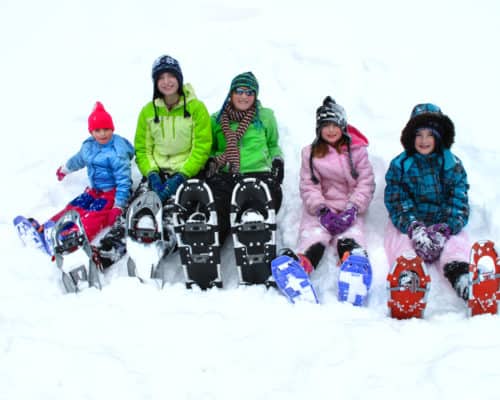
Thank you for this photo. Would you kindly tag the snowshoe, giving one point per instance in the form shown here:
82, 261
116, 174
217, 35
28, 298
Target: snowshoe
293, 280
72, 252
484, 278
253, 226
32, 234
145, 242
195, 225
355, 280
408, 284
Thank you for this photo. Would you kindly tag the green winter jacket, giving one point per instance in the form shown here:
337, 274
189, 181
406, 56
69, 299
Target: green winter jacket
258, 146
175, 143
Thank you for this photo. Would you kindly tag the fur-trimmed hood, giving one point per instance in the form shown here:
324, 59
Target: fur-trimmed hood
428, 115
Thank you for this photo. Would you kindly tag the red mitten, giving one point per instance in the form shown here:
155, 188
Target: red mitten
61, 173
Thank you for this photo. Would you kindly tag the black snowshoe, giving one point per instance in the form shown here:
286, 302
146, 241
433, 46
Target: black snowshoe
253, 226
73, 253
145, 240
195, 225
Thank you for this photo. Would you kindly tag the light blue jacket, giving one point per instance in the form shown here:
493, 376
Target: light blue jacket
108, 165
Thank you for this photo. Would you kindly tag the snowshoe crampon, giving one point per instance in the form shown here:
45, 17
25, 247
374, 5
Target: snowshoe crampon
484, 278
293, 280
355, 280
144, 237
253, 226
72, 252
408, 284
196, 228
32, 234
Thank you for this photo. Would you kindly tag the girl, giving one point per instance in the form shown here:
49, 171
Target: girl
336, 187
106, 156
426, 197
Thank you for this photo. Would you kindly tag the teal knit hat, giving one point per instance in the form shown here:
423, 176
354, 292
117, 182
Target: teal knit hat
246, 79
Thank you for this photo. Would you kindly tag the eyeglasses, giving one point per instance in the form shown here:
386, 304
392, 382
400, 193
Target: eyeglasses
248, 92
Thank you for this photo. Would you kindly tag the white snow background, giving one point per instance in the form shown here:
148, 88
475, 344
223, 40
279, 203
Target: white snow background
133, 341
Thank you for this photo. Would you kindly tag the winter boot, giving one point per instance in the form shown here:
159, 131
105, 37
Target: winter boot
32, 234
112, 246
484, 278
457, 272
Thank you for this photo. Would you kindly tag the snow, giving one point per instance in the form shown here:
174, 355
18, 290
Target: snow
134, 341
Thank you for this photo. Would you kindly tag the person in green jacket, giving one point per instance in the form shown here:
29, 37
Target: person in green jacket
245, 143
172, 143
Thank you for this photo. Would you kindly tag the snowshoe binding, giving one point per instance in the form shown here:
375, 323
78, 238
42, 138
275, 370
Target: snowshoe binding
253, 226
355, 279
293, 280
408, 283
32, 234
484, 279
144, 237
196, 228
72, 252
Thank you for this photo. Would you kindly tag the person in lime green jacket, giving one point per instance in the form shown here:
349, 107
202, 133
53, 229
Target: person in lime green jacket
245, 143
173, 136
172, 143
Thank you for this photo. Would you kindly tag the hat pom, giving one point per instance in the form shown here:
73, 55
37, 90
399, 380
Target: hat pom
99, 118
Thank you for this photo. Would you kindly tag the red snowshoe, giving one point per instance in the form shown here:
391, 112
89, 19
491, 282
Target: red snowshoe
484, 279
408, 284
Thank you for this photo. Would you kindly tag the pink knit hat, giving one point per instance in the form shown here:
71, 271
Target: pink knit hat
100, 118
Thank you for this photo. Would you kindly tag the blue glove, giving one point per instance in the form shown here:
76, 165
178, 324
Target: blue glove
154, 181
171, 186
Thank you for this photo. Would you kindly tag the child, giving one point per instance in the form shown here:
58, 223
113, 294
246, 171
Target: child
426, 197
336, 187
172, 143
107, 158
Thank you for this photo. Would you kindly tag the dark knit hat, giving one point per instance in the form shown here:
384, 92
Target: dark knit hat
428, 115
100, 118
331, 112
246, 79
166, 64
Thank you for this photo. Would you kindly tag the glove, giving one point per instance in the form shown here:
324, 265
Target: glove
61, 172
441, 229
155, 183
425, 247
114, 214
336, 223
211, 168
278, 169
171, 186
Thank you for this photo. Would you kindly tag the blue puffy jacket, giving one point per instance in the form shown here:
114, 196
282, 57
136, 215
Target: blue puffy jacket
108, 165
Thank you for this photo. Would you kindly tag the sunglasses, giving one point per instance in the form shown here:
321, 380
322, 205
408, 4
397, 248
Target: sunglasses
241, 91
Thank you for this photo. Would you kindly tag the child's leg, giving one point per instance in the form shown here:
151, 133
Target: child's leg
354, 237
396, 243
456, 248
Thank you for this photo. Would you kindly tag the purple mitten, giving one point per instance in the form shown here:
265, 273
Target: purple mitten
337, 223
425, 247
441, 229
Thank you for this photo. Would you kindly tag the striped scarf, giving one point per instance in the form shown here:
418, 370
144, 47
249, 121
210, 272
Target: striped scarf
231, 155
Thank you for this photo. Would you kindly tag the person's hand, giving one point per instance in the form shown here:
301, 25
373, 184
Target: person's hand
428, 244
211, 168
155, 183
61, 173
334, 223
278, 169
171, 185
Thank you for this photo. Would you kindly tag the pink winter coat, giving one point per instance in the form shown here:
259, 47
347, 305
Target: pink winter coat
337, 187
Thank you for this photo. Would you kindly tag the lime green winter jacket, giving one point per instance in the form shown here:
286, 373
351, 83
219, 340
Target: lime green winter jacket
175, 143
258, 145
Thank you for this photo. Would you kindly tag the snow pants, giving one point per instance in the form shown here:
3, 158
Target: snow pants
311, 231
93, 206
396, 243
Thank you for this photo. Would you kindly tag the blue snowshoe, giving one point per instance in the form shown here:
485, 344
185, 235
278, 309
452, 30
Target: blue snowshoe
355, 279
293, 280
32, 234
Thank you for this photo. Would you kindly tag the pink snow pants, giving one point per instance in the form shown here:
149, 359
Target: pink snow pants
311, 231
396, 243
93, 206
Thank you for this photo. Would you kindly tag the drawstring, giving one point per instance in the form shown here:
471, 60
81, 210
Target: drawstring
186, 112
